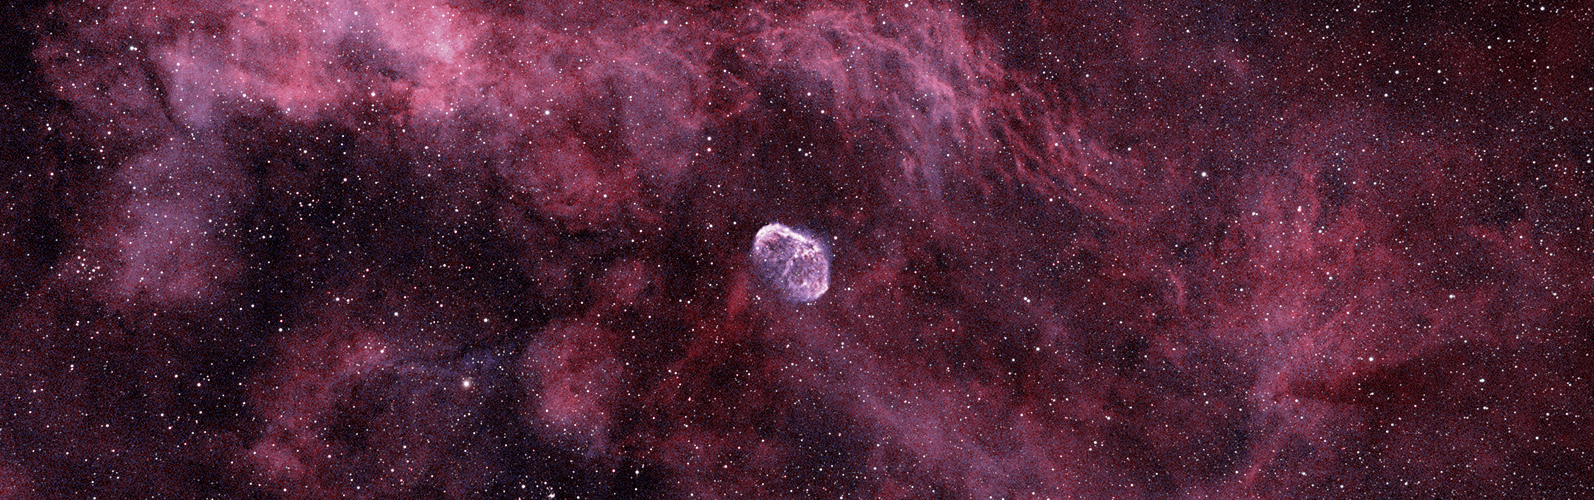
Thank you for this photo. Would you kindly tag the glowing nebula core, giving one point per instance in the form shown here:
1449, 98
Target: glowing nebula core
471, 249
793, 263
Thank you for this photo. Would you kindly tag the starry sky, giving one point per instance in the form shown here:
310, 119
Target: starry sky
499, 249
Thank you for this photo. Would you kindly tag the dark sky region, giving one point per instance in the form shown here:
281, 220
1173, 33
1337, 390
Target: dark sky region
459, 249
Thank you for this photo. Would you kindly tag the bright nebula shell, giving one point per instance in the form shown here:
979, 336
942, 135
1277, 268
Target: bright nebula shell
795, 264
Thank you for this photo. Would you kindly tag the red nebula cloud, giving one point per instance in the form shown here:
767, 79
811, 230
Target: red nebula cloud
456, 249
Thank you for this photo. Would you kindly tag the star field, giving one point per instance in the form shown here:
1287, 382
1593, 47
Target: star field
490, 250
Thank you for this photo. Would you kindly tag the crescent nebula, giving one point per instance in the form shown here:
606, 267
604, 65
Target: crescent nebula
791, 262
